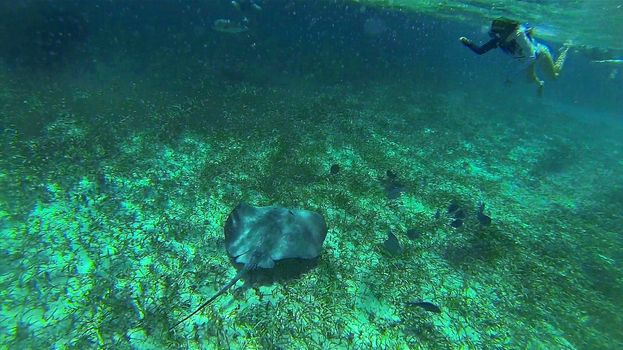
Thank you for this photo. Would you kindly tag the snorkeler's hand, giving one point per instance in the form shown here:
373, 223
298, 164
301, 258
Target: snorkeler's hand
464, 40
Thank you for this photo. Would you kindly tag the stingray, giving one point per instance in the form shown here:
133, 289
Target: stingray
259, 236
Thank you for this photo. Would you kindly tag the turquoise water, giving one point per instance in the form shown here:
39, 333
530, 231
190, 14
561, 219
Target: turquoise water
131, 130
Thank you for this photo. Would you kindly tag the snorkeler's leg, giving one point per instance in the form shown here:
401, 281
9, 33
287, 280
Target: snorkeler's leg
545, 60
551, 68
560, 61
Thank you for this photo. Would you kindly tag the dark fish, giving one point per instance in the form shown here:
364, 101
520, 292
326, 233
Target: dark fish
393, 190
452, 208
335, 168
456, 223
413, 234
483, 219
459, 214
392, 245
430, 307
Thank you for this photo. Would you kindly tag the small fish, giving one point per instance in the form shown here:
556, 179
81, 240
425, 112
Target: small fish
242, 5
392, 245
613, 74
452, 208
335, 168
255, 6
413, 234
393, 188
428, 306
229, 26
391, 175
483, 219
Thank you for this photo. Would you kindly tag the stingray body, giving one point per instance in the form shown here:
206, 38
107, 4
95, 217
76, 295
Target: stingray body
229, 26
259, 236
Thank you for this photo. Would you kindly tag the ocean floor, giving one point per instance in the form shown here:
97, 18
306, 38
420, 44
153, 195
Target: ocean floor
114, 198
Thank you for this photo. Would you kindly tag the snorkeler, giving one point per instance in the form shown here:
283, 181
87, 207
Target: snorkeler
245, 5
516, 40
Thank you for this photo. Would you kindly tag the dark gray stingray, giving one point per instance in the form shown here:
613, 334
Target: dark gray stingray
259, 236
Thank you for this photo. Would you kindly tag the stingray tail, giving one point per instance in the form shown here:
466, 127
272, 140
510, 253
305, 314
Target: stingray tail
209, 301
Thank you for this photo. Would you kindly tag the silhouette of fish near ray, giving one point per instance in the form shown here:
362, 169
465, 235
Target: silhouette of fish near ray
259, 236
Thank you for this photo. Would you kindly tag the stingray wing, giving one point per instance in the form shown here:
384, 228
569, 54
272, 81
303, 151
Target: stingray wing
302, 235
241, 235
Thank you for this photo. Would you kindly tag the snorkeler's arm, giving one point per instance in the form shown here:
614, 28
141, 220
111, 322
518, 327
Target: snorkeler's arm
491, 44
